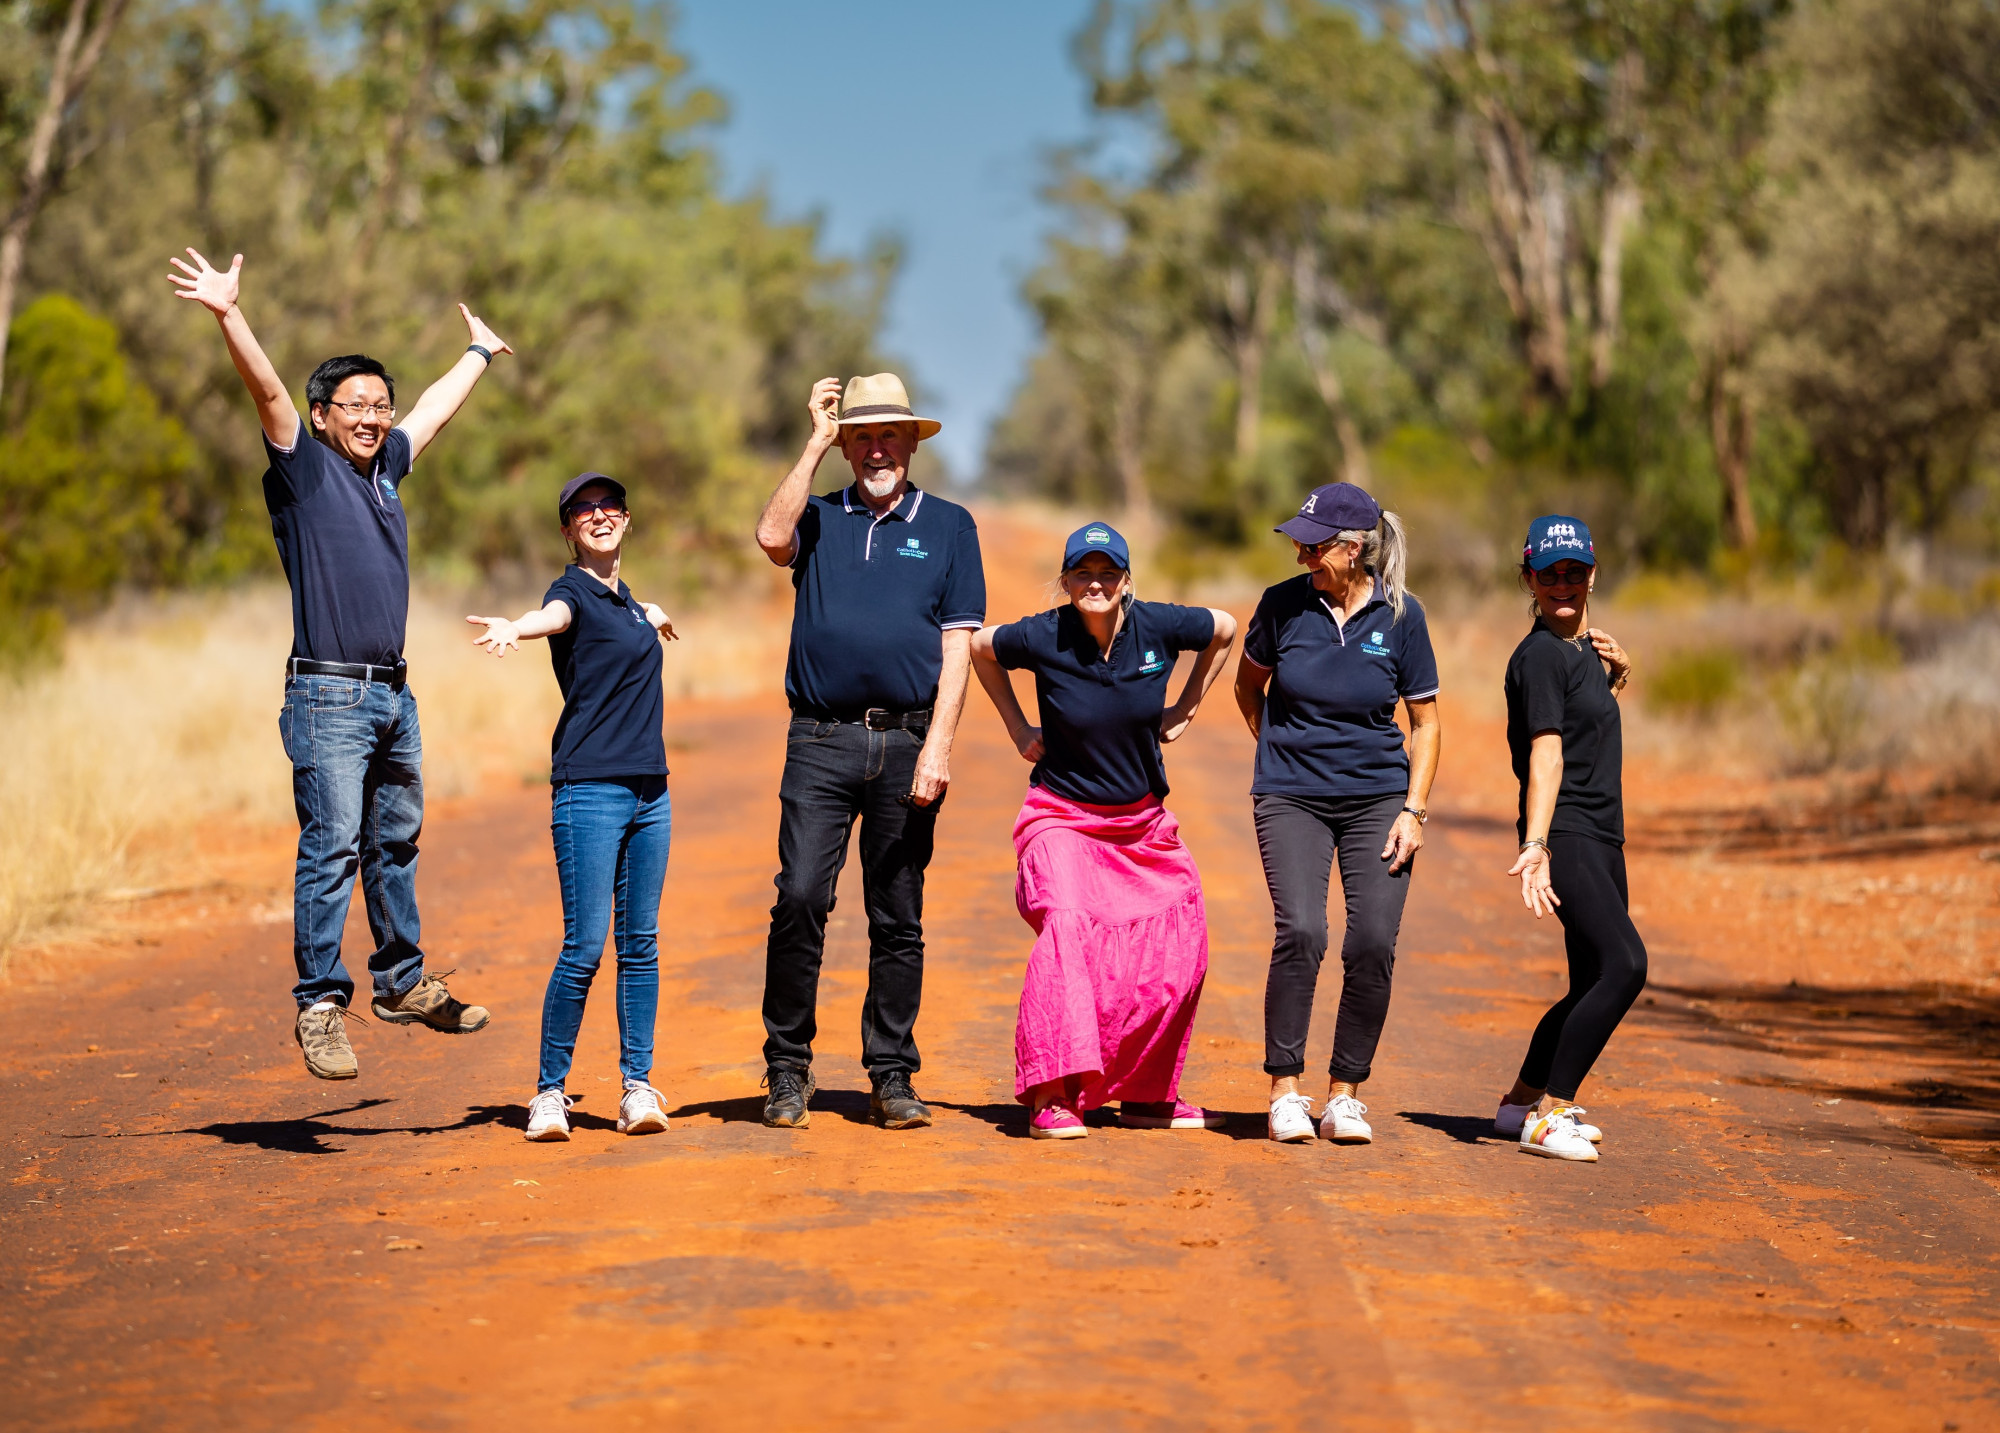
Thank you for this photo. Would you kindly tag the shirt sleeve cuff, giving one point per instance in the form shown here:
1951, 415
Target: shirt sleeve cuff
1257, 664
1420, 696
960, 624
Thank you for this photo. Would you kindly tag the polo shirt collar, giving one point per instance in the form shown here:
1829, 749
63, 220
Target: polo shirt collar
1375, 599
905, 508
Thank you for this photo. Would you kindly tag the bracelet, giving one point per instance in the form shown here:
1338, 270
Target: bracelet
485, 353
1423, 816
1536, 841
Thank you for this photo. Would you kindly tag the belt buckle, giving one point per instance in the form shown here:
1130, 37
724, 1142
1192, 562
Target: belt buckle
868, 718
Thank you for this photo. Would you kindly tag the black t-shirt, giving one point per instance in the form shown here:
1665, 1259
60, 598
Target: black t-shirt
608, 666
1329, 724
1100, 717
872, 596
1553, 685
345, 548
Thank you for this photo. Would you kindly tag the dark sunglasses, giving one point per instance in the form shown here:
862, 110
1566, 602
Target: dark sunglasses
1575, 574
610, 507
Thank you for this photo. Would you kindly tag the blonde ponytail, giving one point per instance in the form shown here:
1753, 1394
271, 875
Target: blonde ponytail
1385, 552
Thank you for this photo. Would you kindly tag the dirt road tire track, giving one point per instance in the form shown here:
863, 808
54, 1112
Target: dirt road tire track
219, 1242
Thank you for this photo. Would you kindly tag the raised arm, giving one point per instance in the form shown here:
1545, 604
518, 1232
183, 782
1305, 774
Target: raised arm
1026, 737
446, 396
778, 527
502, 636
1207, 667
215, 290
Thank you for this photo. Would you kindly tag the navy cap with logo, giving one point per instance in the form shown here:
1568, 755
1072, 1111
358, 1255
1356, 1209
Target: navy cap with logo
1557, 538
578, 483
1331, 510
1096, 537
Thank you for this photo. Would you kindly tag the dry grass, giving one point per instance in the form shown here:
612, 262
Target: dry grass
163, 715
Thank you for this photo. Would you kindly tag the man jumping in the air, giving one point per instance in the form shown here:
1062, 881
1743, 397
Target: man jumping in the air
349, 721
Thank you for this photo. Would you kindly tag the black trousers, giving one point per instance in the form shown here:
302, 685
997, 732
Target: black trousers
836, 773
1299, 837
1607, 964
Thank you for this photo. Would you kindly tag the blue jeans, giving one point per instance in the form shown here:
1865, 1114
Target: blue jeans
611, 854
357, 780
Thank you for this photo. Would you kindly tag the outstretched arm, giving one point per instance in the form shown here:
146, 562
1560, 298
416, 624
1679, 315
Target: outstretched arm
999, 686
778, 527
502, 636
1207, 667
446, 396
215, 290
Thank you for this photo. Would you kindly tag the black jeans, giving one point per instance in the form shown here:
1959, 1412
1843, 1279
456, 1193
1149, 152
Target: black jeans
834, 773
1298, 836
1607, 964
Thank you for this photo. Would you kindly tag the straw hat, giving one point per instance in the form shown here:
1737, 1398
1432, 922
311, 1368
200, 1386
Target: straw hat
881, 398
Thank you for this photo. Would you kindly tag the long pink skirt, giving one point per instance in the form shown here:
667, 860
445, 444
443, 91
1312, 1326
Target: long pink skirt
1120, 952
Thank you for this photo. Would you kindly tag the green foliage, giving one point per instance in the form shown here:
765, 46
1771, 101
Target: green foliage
87, 463
1696, 682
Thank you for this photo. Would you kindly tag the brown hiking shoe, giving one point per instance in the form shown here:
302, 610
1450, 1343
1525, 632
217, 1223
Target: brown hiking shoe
322, 1035
429, 1003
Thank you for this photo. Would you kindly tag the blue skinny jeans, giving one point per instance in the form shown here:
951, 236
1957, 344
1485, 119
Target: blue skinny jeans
611, 856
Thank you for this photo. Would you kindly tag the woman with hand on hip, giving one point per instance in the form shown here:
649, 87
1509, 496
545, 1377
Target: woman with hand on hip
611, 817
1337, 648
1565, 737
1121, 935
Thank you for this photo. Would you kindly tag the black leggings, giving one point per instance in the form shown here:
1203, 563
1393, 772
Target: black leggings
1607, 964
1298, 837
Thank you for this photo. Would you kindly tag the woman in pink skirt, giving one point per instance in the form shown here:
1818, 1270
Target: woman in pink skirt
1121, 938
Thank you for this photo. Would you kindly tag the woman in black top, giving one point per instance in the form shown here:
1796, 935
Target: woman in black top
1564, 734
611, 817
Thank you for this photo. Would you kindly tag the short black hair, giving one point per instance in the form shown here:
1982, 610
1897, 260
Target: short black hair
327, 378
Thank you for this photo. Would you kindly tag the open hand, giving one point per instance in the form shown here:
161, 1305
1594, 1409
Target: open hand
480, 334
1406, 838
214, 289
825, 407
1532, 866
500, 637
1028, 741
662, 623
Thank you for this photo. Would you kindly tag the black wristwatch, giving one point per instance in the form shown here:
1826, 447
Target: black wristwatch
1423, 817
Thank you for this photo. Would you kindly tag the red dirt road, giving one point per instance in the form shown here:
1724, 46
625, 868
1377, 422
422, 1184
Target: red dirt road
196, 1235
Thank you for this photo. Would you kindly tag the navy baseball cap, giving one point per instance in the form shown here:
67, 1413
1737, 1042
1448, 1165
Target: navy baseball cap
1331, 510
1557, 538
581, 481
1096, 537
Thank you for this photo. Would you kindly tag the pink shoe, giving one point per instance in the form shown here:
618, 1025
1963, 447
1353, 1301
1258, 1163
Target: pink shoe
1167, 1114
1057, 1121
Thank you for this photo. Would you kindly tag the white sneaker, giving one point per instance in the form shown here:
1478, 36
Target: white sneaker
1511, 1117
640, 1111
1557, 1135
1342, 1122
1291, 1119
548, 1117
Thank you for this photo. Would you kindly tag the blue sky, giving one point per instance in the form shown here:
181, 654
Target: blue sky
925, 120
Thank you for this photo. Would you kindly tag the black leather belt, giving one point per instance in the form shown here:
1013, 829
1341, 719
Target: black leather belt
874, 718
353, 671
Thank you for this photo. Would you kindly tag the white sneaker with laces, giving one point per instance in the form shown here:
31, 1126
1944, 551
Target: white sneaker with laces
1343, 1123
548, 1116
640, 1111
1511, 1117
1556, 1135
1291, 1119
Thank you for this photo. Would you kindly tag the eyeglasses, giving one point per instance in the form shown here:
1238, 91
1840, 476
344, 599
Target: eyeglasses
1316, 549
383, 411
589, 507
1569, 574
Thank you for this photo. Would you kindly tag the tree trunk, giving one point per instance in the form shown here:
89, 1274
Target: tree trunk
1729, 435
1128, 450
1621, 211
1253, 311
1306, 306
69, 72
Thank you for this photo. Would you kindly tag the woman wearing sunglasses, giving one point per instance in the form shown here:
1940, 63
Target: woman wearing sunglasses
1563, 732
1114, 899
1337, 648
612, 820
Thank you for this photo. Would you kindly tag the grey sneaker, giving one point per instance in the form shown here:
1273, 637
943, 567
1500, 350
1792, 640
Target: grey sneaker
429, 1003
894, 1105
791, 1092
322, 1035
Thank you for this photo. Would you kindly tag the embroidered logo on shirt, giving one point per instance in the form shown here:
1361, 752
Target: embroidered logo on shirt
911, 548
1152, 662
388, 489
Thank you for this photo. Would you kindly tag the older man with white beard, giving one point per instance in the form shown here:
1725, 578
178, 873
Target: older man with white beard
889, 590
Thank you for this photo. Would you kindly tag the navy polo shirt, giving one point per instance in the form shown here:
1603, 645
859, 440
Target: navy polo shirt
1100, 715
345, 548
608, 666
1330, 713
872, 596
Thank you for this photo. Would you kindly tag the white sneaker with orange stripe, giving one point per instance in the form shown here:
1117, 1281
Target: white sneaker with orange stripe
1557, 1135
